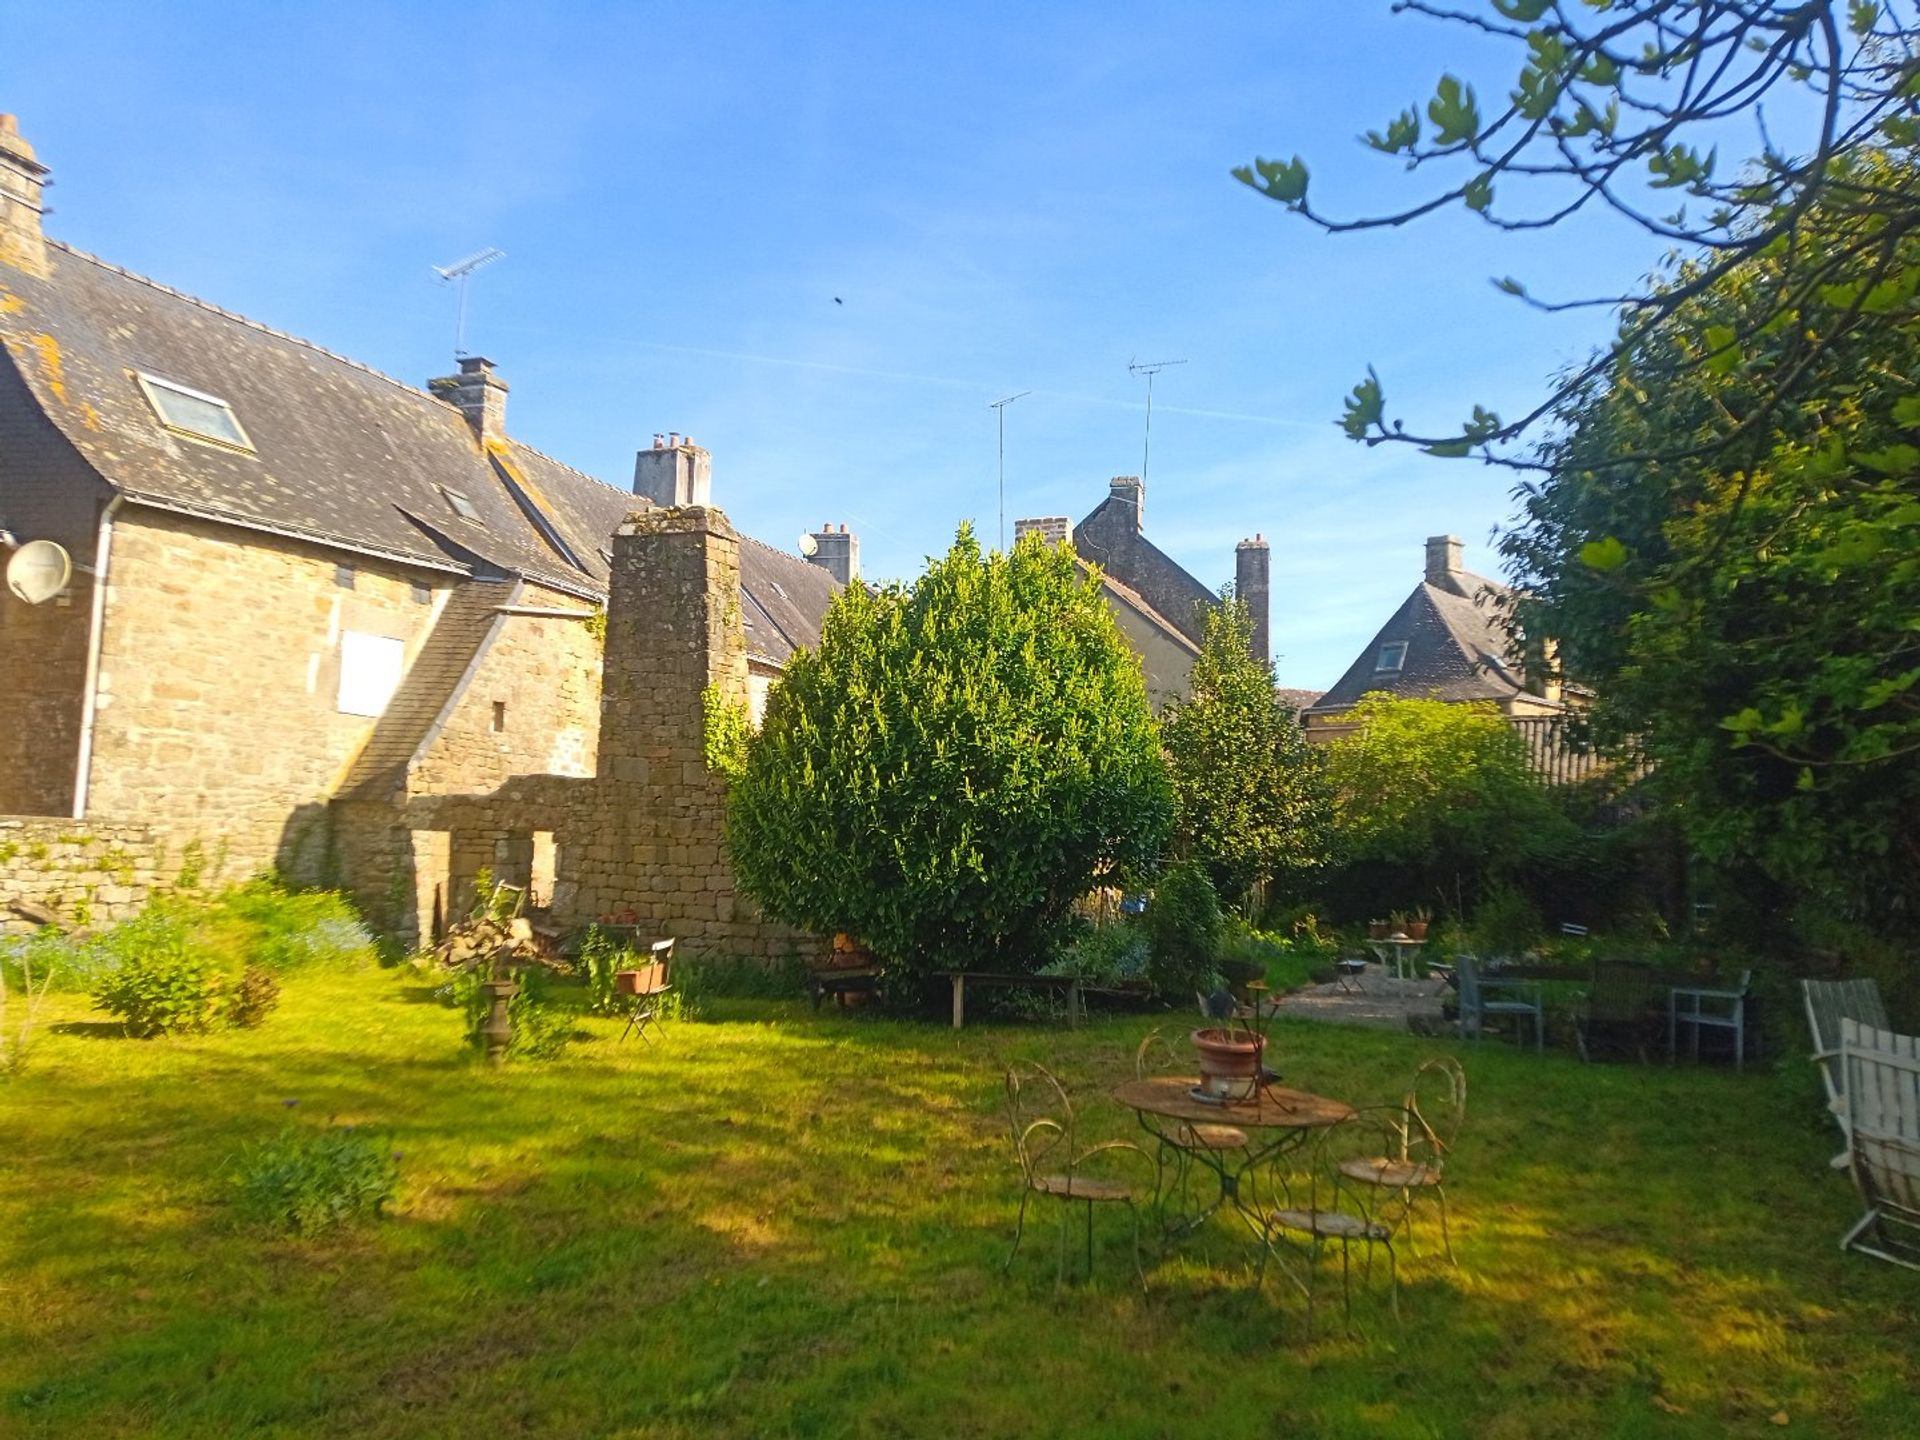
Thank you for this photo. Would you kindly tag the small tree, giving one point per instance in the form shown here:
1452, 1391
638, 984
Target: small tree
1251, 798
1441, 794
955, 765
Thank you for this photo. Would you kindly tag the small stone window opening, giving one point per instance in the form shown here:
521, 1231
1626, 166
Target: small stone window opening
462, 506
499, 716
421, 594
343, 576
1393, 658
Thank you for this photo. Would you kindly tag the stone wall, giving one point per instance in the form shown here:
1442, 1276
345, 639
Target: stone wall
219, 681
86, 872
645, 833
531, 705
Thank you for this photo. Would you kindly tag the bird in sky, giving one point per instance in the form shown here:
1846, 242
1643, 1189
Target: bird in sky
838, 301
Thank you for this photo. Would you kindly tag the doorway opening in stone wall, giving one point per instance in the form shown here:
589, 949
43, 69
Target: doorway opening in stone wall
432, 870
541, 872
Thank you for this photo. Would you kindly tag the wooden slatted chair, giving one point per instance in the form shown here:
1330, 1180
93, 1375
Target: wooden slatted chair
1882, 1080
1614, 1015
1828, 1003
1052, 1163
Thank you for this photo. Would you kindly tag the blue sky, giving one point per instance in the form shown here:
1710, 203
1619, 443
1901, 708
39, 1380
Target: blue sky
1005, 198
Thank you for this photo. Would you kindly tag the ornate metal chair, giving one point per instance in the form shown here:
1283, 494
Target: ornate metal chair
1434, 1109
1052, 1163
1178, 1138
1325, 1204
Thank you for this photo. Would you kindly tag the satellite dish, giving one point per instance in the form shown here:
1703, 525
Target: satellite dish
808, 544
38, 571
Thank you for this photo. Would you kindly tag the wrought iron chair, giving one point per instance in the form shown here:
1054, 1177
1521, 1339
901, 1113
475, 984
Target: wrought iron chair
1326, 1204
1041, 1120
1828, 1003
649, 991
1615, 1010
1882, 1082
1481, 997
1434, 1109
1178, 1138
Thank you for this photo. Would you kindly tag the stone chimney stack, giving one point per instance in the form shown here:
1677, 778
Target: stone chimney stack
1054, 529
479, 394
837, 553
1133, 491
23, 180
1252, 570
1444, 562
675, 472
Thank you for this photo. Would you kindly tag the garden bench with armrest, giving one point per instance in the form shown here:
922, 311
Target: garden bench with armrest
1075, 988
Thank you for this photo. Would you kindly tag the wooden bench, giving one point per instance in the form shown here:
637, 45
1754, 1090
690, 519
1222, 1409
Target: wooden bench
1072, 984
844, 981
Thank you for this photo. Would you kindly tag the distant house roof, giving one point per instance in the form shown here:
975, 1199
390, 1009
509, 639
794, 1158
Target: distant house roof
1445, 642
1110, 537
1298, 699
335, 453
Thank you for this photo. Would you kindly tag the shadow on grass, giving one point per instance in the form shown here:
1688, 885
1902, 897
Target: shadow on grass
94, 1030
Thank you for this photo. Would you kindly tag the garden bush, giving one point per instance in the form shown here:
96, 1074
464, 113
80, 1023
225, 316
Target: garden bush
163, 981
307, 1182
1115, 954
254, 998
1184, 927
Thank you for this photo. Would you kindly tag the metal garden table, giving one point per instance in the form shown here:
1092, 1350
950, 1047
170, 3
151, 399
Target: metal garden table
1277, 1121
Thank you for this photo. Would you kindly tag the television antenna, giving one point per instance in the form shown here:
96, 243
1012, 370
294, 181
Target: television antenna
456, 275
999, 408
1150, 369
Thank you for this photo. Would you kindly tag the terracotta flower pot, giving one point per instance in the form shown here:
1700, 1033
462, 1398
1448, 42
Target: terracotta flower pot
1229, 1062
1379, 929
1416, 929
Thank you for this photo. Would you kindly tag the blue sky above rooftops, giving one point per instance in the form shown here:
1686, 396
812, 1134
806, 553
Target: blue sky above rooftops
822, 238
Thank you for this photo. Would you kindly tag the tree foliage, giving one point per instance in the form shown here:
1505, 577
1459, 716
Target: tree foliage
1624, 106
1251, 801
1749, 616
1442, 792
955, 765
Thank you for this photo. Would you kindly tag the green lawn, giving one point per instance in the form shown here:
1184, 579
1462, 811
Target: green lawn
777, 1224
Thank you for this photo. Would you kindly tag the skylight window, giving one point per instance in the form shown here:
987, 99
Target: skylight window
1392, 658
462, 506
193, 413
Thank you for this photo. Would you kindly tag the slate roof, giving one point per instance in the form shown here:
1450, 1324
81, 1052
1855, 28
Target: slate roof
1456, 649
1110, 538
343, 455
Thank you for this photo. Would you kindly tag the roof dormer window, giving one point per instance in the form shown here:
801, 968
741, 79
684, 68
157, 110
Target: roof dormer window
194, 414
1392, 658
462, 506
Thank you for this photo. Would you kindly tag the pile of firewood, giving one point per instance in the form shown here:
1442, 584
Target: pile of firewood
494, 944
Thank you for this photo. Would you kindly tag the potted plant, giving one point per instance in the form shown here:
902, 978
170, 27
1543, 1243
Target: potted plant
1418, 922
1229, 1061
1379, 929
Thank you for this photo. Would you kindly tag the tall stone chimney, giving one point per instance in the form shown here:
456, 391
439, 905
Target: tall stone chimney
477, 393
1131, 490
675, 472
23, 180
837, 553
1054, 529
1444, 566
1252, 569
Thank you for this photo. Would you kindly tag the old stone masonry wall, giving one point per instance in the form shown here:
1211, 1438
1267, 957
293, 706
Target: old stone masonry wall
644, 835
88, 873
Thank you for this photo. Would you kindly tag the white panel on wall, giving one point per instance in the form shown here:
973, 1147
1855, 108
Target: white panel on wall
370, 670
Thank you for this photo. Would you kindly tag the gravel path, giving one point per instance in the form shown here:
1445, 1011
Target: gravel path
1376, 999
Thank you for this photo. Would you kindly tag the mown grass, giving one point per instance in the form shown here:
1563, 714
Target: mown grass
778, 1224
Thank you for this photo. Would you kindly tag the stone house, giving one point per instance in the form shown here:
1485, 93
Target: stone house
323, 620
1445, 642
1160, 606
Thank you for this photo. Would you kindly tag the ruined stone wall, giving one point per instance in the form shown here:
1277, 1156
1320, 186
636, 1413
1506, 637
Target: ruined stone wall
219, 682
531, 705
86, 873
645, 834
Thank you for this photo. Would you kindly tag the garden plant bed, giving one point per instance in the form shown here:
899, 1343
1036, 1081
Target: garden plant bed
794, 1225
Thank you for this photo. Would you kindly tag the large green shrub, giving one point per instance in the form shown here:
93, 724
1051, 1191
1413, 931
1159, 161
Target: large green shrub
1185, 927
957, 763
1251, 797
